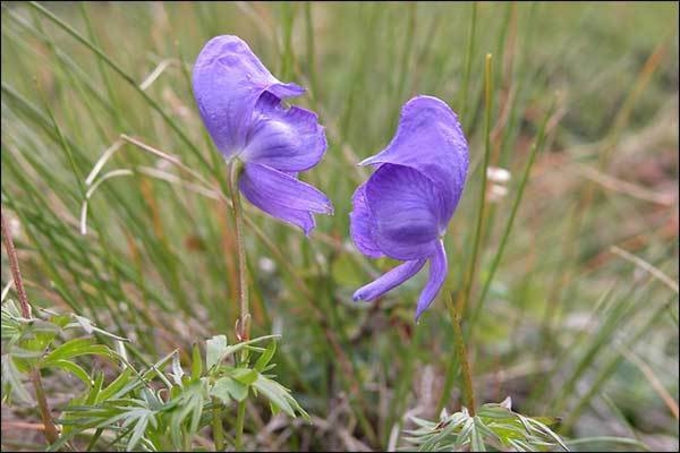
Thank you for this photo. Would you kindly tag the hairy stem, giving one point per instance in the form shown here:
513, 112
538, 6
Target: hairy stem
461, 351
14, 267
243, 323
242, 326
218, 433
240, 422
51, 433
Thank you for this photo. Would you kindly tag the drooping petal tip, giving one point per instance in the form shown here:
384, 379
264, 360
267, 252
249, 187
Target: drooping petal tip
388, 281
438, 272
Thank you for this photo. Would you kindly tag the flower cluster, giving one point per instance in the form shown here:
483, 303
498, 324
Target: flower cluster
401, 212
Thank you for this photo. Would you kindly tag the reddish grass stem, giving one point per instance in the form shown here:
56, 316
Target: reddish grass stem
51, 433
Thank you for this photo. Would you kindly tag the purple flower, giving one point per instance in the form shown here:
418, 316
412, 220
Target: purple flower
403, 210
241, 104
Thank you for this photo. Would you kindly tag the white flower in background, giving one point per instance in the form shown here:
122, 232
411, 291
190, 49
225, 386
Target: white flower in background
266, 265
499, 177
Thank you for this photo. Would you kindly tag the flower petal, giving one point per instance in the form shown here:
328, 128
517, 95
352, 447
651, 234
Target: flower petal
430, 139
438, 271
405, 212
283, 196
285, 138
388, 281
228, 79
361, 226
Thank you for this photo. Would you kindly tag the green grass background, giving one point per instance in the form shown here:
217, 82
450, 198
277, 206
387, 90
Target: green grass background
568, 327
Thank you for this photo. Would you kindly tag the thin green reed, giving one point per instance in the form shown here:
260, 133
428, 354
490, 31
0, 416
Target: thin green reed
610, 365
68, 150
581, 209
121, 123
464, 300
469, 56
59, 235
87, 89
535, 149
407, 50
360, 63
36, 116
311, 50
519, 88
172, 271
358, 401
288, 10
400, 400
100, 54
464, 295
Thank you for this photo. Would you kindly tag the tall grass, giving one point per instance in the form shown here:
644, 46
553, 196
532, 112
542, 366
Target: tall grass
584, 116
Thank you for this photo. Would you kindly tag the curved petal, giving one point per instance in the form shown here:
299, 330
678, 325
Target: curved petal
438, 271
361, 226
283, 196
405, 207
228, 79
388, 281
430, 139
286, 138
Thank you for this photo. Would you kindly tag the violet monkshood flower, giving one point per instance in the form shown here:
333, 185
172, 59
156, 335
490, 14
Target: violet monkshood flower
403, 210
240, 103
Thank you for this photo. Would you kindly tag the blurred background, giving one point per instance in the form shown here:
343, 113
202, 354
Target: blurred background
574, 315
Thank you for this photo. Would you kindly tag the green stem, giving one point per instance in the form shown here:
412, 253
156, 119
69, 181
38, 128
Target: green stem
461, 352
309, 34
470, 277
218, 433
240, 422
50, 431
242, 326
538, 144
468, 63
243, 323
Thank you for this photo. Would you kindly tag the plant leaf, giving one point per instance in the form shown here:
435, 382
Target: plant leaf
266, 356
214, 350
196, 363
72, 368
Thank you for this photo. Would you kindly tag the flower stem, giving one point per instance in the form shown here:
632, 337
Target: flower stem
243, 323
218, 434
50, 431
242, 326
240, 422
461, 351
